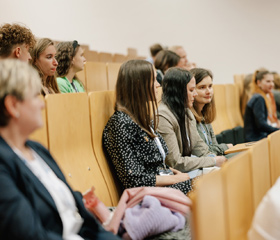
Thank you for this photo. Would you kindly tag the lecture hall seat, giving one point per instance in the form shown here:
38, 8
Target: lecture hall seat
70, 143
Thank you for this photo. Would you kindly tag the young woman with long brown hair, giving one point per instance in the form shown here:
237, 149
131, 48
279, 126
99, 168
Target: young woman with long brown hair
130, 138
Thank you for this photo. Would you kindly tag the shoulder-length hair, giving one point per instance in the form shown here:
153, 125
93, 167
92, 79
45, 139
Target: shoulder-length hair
66, 51
175, 96
50, 82
209, 109
135, 93
166, 59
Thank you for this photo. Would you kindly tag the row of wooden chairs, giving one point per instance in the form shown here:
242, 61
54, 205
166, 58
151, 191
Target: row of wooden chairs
224, 201
94, 56
99, 76
227, 107
72, 132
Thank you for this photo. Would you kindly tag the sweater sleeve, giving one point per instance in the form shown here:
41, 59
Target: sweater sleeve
216, 147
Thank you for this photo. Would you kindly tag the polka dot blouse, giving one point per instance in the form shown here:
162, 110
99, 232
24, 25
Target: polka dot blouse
135, 156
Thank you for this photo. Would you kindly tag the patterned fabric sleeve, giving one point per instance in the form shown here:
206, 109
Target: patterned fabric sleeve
118, 140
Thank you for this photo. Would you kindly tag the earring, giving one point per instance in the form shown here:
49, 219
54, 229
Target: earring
17, 115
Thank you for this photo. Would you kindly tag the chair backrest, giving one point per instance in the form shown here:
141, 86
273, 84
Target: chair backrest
85, 47
237, 179
41, 134
101, 109
222, 121
209, 209
233, 105
105, 57
91, 56
131, 53
260, 170
120, 58
274, 156
112, 74
96, 76
239, 81
70, 142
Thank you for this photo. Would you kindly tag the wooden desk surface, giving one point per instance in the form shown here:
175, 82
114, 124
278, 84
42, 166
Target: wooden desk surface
239, 147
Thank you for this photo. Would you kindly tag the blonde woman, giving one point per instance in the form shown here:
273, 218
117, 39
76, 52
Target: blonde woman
36, 202
43, 59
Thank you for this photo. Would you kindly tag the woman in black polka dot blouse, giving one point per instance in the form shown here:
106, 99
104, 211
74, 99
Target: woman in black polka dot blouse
136, 150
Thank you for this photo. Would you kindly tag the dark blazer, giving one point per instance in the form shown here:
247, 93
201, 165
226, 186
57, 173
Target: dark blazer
27, 210
255, 120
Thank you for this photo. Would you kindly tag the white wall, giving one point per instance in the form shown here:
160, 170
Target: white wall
226, 36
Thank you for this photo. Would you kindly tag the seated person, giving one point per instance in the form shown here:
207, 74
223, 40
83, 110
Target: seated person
184, 62
260, 117
43, 60
165, 59
36, 202
204, 110
177, 124
15, 42
154, 49
70, 58
130, 140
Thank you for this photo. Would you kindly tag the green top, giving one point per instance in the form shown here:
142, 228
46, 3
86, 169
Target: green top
208, 136
66, 87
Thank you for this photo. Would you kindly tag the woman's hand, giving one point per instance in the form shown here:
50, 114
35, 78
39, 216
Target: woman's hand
178, 176
220, 160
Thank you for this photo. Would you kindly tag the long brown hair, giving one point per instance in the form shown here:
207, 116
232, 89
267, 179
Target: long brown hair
135, 91
50, 83
209, 110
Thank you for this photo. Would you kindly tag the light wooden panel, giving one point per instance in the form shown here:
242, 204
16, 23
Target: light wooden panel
233, 105
222, 121
237, 177
105, 57
112, 74
101, 109
91, 56
274, 155
208, 219
96, 76
119, 58
260, 170
70, 142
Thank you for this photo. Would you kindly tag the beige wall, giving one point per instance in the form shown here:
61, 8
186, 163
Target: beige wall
226, 36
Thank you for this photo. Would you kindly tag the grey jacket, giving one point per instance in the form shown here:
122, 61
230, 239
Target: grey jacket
211, 140
169, 129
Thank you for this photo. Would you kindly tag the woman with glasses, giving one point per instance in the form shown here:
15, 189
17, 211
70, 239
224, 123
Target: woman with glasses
36, 202
70, 57
43, 59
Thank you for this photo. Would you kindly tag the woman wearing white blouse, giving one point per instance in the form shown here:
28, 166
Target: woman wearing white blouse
35, 201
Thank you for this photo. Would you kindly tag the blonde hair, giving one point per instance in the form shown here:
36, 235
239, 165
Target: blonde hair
50, 83
17, 78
